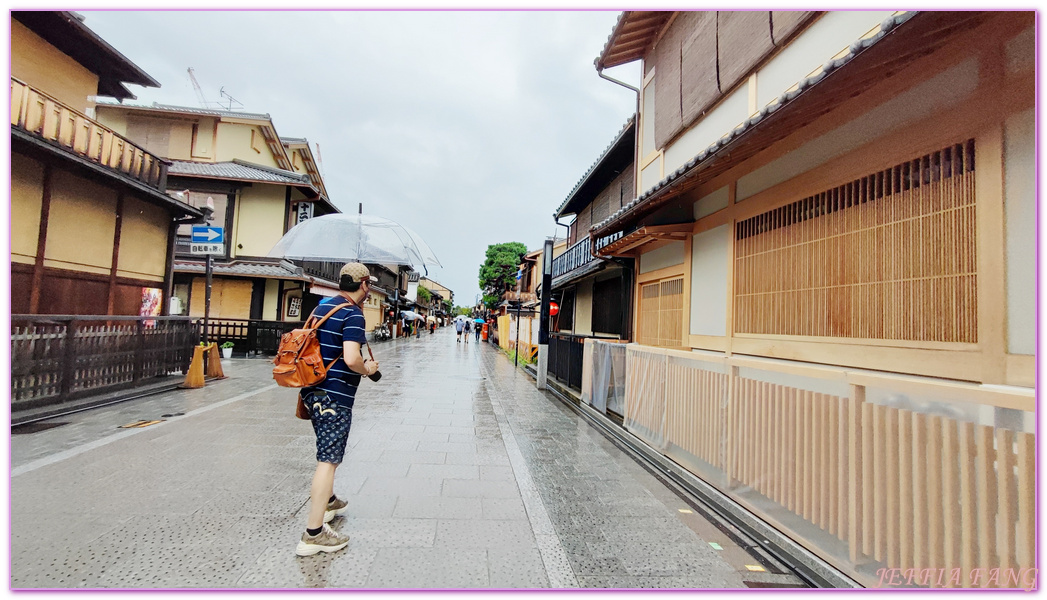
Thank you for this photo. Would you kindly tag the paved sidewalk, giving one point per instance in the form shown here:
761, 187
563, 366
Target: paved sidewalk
459, 474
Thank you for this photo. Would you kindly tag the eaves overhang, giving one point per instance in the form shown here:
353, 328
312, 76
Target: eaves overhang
615, 157
632, 36
901, 40
67, 32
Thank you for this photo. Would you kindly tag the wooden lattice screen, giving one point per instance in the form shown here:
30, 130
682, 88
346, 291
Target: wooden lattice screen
888, 256
661, 313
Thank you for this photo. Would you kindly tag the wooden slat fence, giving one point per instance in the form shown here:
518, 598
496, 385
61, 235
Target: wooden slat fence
248, 335
59, 358
870, 472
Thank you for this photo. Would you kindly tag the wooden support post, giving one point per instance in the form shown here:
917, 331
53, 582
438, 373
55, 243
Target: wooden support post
41, 241
110, 303
68, 359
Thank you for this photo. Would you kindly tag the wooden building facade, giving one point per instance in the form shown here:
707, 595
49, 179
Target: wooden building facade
92, 229
835, 284
260, 185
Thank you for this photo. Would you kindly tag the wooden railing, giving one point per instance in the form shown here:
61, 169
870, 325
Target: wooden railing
59, 358
37, 113
871, 471
574, 257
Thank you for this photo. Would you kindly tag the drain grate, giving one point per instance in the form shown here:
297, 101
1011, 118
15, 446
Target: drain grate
139, 424
172, 415
34, 428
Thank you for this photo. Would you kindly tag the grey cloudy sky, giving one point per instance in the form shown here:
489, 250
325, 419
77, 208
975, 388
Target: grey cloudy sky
469, 127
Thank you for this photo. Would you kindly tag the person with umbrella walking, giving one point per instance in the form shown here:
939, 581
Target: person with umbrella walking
330, 402
477, 328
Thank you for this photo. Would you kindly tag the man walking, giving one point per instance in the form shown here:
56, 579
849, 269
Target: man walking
476, 329
458, 326
330, 403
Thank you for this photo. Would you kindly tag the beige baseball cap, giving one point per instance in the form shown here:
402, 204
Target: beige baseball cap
358, 272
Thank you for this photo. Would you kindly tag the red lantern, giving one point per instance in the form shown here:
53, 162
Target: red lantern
554, 308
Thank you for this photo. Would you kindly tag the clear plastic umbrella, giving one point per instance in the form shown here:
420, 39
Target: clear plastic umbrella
360, 238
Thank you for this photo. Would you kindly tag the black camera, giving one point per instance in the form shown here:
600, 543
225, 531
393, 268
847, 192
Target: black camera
375, 376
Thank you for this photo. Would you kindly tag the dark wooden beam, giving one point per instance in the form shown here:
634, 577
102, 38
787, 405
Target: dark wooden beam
41, 241
116, 253
172, 238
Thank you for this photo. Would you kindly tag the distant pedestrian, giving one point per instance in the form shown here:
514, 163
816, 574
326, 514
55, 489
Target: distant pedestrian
476, 328
417, 328
458, 326
330, 403
432, 327
465, 330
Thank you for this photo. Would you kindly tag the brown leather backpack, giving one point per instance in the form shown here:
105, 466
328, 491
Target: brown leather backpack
298, 360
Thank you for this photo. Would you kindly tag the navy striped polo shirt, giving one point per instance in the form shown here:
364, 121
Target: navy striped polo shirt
348, 325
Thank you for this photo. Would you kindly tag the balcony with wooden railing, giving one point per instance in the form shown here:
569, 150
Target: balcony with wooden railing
579, 255
40, 115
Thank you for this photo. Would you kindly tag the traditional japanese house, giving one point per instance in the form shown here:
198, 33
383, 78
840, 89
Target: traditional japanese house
594, 293
259, 185
835, 292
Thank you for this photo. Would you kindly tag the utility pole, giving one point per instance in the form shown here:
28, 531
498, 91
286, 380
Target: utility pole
543, 319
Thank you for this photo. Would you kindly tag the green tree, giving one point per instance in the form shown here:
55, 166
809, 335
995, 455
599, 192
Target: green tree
499, 270
424, 296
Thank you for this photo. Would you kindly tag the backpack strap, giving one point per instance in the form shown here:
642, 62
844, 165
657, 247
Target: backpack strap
353, 302
317, 325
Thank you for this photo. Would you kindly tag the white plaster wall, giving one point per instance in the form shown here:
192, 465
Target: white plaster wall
922, 100
709, 255
668, 255
726, 116
650, 175
826, 37
713, 202
1019, 163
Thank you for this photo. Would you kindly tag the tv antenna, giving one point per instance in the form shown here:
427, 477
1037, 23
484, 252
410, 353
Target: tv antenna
231, 100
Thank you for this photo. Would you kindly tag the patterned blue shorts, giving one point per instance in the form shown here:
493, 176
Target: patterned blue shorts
331, 424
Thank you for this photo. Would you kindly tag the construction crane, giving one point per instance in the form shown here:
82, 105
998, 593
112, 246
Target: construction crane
199, 92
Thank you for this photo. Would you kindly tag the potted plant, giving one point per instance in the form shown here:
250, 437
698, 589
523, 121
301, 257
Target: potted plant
227, 349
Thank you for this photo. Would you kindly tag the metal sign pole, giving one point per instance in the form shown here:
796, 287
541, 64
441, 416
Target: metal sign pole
207, 298
519, 303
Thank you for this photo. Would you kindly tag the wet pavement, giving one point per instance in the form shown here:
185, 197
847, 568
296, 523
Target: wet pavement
459, 474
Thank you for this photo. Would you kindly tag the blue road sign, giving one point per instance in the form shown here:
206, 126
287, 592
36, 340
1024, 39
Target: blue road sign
205, 234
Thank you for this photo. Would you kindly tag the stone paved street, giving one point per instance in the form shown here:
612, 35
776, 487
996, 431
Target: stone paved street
460, 474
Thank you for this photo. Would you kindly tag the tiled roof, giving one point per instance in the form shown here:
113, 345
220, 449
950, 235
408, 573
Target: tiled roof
238, 170
713, 150
631, 122
281, 270
212, 111
189, 110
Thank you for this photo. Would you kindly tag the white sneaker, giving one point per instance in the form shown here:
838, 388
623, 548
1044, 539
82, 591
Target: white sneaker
328, 540
338, 507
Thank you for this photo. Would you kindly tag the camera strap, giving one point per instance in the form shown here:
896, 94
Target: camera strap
354, 303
